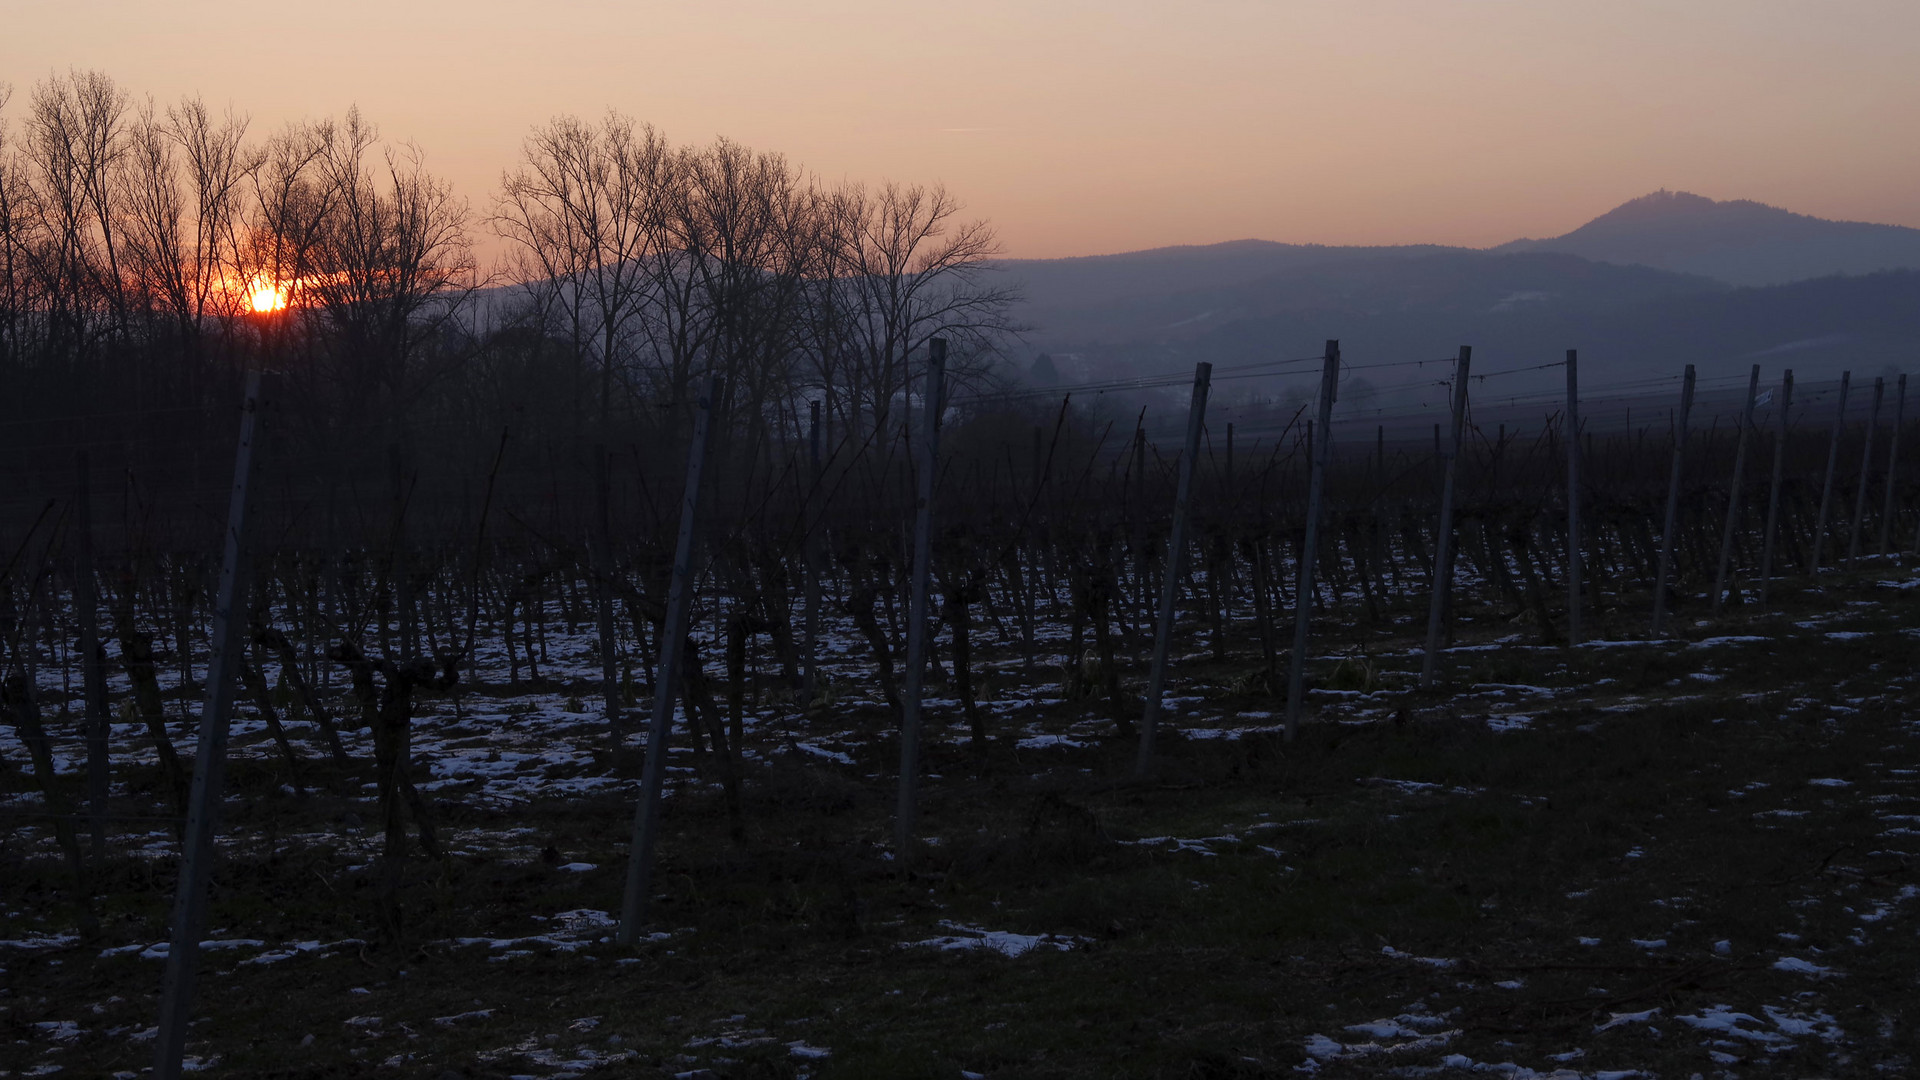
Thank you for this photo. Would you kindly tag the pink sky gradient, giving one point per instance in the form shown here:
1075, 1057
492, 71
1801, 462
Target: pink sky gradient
1083, 128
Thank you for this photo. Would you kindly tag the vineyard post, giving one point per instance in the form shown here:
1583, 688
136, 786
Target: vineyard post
93, 673
1029, 577
666, 684
1733, 492
810, 632
1573, 497
1915, 549
1176, 558
1866, 467
1673, 502
1138, 512
1226, 590
1316, 489
203, 808
601, 543
1773, 486
1893, 462
1442, 577
1826, 487
908, 810
397, 554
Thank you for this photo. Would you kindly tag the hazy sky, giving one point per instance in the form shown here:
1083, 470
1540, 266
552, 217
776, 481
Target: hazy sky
1082, 127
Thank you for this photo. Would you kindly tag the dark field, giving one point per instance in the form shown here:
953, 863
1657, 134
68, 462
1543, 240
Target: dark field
1693, 856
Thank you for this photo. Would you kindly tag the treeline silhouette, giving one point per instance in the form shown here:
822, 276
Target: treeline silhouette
150, 255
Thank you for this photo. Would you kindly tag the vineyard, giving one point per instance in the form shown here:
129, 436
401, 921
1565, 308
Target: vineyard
1045, 731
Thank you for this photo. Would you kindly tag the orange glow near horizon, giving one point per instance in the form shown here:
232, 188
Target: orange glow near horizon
265, 296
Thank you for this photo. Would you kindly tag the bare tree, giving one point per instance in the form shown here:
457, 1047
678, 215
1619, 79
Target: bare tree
76, 138
219, 166
580, 209
18, 215
159, 260
907, 270
291, 202
390, 270
740, 216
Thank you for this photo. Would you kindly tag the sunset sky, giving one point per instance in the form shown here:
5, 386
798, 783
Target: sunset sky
1083, 128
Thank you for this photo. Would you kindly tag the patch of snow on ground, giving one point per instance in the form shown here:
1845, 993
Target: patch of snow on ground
1430, 961
1414, 1032
1802, 967
1003, 942
819, 751
1723, 1020
1044, 742
1621, 1019
34, 942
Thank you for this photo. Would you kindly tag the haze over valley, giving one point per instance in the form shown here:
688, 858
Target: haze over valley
1663, 280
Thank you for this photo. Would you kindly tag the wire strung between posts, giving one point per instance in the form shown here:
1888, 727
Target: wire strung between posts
84, 417
80, 815
1601, 400
1484, 376
1142, 382
1396, 364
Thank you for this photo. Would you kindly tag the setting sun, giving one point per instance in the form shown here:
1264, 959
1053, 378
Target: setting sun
266, 296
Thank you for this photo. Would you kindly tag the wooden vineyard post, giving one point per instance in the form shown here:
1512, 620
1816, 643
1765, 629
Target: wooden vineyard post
1573, 497
1893, 462
666, 684
1027, 581
1773, 486
1138, 513
1733, 492
1175, 561
601, 552
1443, 539
906, 814
810, 631
1316, 490
400, 572
1826, 486
1226, 587
1866, 467
203, 809
92, 671
1673, 503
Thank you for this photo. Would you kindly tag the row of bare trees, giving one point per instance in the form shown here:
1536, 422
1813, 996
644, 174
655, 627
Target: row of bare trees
140, 248
656, 264
149, 253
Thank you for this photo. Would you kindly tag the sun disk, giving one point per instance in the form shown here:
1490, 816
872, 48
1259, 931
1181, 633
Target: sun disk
265, 296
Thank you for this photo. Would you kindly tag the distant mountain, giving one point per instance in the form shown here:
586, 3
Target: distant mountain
1143, 293
1146, 302
1737, 241
1867, 323
1172, 294
1159, 311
